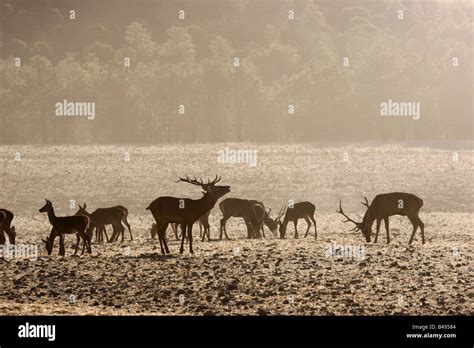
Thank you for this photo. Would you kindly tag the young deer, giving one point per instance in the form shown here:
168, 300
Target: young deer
105, 216
301, 210
6, 218
385, 205
185, 211
77, 224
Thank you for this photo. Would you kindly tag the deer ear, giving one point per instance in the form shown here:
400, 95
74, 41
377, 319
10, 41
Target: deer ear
203, 192
84, 205
44, 241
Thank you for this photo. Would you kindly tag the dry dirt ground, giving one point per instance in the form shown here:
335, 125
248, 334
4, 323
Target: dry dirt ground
335, 274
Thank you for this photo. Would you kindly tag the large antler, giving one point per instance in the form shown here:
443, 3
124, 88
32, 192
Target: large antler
213, 182
281, 213
193, 181
348, 219
366, 203
199, 182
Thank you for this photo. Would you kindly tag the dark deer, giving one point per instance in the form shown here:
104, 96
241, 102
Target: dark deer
203, 225
6, 218
263, 217
382, 207
185, 211
78, 224
294, 212
106, 216
236, 207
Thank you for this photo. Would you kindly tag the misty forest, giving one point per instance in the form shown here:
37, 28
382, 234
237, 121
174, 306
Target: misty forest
234, 71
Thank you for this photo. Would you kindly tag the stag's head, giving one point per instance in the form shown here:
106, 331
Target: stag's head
272, 224
210, 188
82, 210
359, 226
47, 207
49, 245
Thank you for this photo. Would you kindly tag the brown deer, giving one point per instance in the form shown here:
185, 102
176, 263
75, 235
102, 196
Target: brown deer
78, 224
204, 226
6, 218
263, 217
237, 207
185, 211
294, 212
105, 216
382, 207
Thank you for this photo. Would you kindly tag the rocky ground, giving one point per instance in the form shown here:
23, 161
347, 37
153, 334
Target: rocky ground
337, 274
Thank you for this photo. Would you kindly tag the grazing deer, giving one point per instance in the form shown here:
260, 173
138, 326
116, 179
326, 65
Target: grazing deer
105, 216
383, 206
185, 211
300, 210
236, 207
263, 217
6, 218
77, 224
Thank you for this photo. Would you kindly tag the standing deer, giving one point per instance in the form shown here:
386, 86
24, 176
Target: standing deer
6, 218
105, 216
77, 224
185, 211
300, 210
236, 207
382, 207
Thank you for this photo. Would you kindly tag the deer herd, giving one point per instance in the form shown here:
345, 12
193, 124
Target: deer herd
182, 213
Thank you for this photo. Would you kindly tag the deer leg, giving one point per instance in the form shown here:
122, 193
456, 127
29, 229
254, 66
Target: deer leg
387, 228
377, 231
414, 222
208, 228
165, 242
190, 237
308, 221
160, 239
183, 233
422, 228
128, 226
62, 249
222, 223
104, 230
10, 234
263, 231
315, 228
295, 222
2, 237
122, 230
174, 227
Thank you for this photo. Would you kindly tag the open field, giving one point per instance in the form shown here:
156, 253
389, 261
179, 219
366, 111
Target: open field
240, 276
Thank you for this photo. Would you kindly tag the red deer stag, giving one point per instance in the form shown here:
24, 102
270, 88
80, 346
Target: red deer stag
294, 212
105, 216
236, 207
78, 224
185, 211
6, 218
382, 207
